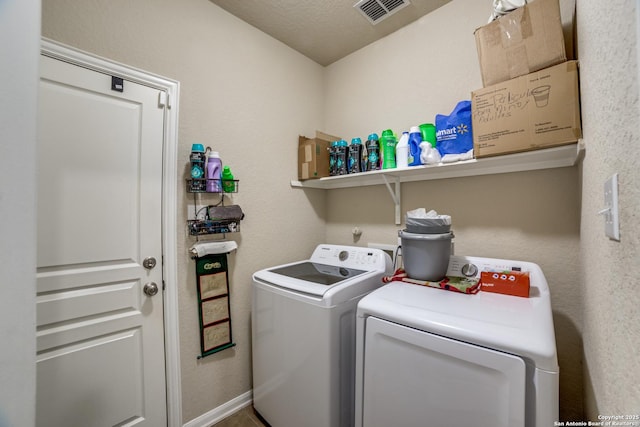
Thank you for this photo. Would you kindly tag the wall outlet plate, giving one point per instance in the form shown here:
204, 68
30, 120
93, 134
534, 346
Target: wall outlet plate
611, 217
389, 249
192, 210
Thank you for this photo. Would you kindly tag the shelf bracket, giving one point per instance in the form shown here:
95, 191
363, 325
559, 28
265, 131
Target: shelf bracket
395, 196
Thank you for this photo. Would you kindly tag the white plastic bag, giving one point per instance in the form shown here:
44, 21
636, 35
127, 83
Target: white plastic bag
428, 154
502, 7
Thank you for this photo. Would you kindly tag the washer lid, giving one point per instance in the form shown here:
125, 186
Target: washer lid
520, 326
321, 274
310, 277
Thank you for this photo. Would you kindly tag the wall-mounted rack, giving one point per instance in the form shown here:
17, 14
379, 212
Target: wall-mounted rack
221, 186
218, 218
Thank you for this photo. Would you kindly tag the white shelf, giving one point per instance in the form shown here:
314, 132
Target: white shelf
556, 157
549, 158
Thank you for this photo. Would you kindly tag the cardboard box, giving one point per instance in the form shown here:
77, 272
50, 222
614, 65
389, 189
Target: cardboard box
539, 110
509, 283
313, 155
526, 40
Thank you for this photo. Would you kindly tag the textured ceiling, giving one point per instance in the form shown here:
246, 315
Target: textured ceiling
323, 30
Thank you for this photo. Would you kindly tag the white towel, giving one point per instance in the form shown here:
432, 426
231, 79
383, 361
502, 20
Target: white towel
208, 248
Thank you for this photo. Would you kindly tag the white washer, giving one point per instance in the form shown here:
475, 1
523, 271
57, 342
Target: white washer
426, 357
303, 335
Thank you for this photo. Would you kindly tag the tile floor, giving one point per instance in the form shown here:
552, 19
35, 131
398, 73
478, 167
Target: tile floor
246, 417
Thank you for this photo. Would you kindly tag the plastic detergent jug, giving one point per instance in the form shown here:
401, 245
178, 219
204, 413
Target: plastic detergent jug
373, 152
388, 149
355, 156
415, 138
214, 169
402, 151
428, 131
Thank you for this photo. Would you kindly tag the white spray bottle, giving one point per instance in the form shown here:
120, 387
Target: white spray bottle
402, 151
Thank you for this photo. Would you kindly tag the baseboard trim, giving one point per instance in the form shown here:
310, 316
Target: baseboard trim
222, 411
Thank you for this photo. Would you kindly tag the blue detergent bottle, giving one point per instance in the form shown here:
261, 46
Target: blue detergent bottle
197, 159
355, 156
373, 153
342, 157
415, 138
333, 158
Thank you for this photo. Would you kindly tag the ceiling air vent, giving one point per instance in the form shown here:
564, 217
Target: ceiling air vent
377, 10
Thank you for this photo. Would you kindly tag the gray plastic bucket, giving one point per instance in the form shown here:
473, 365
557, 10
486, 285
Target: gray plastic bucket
426, 256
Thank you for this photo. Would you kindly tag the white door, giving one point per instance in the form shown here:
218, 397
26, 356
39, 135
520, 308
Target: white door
100, 336
416, 379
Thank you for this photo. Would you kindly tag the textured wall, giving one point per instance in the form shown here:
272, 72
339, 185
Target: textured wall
608, 52
247, 96
406, 79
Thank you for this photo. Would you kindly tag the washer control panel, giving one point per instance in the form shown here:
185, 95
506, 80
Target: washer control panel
350, 256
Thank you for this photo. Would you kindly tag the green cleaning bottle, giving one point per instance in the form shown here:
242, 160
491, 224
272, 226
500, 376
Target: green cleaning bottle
228, 184
388, 143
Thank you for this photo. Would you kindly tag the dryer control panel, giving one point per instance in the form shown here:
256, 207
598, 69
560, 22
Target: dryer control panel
465, 266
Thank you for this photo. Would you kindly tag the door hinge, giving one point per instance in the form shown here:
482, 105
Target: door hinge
163, 285
164, 100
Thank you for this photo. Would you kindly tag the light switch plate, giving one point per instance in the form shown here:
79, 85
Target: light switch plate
611, 222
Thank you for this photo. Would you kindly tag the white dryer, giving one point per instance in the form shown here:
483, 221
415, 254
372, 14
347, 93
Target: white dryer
303, 335
426, 357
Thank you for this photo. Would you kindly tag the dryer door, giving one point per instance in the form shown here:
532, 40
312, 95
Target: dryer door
417, 379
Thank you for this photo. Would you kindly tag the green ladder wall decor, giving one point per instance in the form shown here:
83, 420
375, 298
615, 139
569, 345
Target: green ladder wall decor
213, 304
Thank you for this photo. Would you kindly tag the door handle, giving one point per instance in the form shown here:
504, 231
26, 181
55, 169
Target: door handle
149, 262
150, 289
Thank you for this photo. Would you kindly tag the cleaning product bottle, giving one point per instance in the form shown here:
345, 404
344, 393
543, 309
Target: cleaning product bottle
402, 151
355, 154
364, 158
228, 184
428, 131
373, 152
333, 155
415, 138
197, 160
214, 169
388, 149
342, 157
